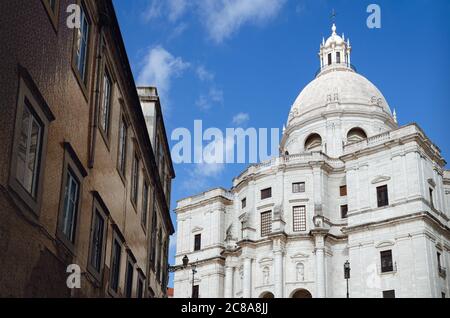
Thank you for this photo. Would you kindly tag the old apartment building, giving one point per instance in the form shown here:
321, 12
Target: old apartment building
85, 167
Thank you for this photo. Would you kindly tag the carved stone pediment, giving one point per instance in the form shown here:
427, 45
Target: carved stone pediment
197, 229
380, 179
299, 257
384, 244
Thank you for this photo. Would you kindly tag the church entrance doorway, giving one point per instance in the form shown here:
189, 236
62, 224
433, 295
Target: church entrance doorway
267, 295
301, 293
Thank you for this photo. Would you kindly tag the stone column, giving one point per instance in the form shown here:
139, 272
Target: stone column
278, 273
229, 278
320, 263
247, 288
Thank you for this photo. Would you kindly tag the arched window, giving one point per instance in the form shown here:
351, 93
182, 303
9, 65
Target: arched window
356, 135
313, 143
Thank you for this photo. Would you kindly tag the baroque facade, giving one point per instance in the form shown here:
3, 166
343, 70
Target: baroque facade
349, 185
85, 167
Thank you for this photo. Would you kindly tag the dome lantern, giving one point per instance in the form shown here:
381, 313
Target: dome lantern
335, 53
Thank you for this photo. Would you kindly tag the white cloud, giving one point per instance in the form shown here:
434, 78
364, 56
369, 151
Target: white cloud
223, 18
203, 74
220, 18
207, 101
159, 67
241, 119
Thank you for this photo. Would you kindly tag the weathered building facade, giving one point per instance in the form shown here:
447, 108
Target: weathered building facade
82, 179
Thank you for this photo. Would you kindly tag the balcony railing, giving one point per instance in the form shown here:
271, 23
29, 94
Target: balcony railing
330, 66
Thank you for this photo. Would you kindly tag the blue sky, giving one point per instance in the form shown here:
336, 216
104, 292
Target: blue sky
243, 62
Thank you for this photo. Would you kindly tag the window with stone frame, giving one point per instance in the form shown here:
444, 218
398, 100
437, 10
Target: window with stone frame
387, 264
343, 191
266, 193
382, 196
266, 223
244, 203
197, 242
389, 294
129, 274
299, 218
344, 211
115, 264
298, 187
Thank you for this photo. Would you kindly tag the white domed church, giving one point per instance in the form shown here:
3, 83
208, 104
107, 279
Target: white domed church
350, 189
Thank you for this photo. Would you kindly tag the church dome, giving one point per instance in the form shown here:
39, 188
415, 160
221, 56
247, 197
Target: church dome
340, 85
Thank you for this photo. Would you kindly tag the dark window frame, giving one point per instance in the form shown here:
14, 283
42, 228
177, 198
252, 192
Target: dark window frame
140, 288
266, 193
71, 165
197, 242
298, 187
105, 132
114, 277
145, 204
299, 218
343, 191
53, 13
84, 83
344, 211
135, 171
243, 203
122, 156
30, 97
98, 208
386, 261
389, 293
266, 223
129, 275
338, 57
383, 196
330, 59
431, 190
196, 291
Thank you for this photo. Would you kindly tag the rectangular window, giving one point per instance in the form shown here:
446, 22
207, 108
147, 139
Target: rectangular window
29, 151
329, 59
389, 294
97, 241
439, 261
195, 291
122, 146
338, 57
443, 295
105, 107
298, 187
299, 218
244, 203
344, 211
431, 198
343, 191
140, 287
153, 235
115, 264
266, 193
129, 278
135, 180
266, 223
387, 264
144, 204
70, 208
52, 8
382, 196
82, 45
197, 242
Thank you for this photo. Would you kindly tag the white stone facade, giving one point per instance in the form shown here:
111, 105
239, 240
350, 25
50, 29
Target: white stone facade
341, 148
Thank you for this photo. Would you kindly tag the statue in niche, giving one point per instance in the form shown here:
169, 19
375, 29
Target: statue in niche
266, 275
229, 235
300, 272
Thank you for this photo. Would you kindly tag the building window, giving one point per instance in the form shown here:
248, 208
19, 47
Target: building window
298, 187
140, 286
115, 264
158, 259
195, 291
153, 235
343, 191
129, 278
389, 294
338, 57
135, 180
82, 45
105, 107
97, 240
344, 211
299, 218
244, 203
52, 8
266, 193
387, 264
382, 196
197, 242
329, 59
431, 198
144, 204
443, 295
69, 215
266, 223
123, 132
29, 150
